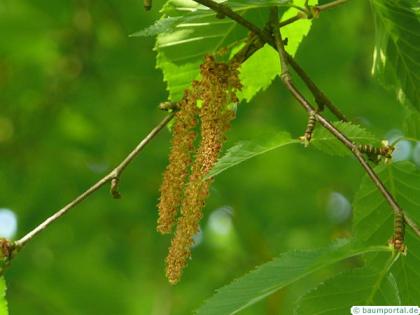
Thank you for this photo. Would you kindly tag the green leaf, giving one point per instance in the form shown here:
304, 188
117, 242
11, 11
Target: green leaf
411, 126
373, 220
362, 286
246, 150
373, 217
199, 32
3, 302
406, 271
160, 26
278, 273
323, 140
266, 61
396, 58
194, 31
177, 77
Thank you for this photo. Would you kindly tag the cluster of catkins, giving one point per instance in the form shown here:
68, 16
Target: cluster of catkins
184, 189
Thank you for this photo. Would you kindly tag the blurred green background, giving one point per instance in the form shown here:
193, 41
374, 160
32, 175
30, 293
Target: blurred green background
76, 94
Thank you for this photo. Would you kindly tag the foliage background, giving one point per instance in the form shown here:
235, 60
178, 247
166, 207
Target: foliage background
76, 94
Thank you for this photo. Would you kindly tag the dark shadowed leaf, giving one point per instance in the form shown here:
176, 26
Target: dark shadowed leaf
362, 286
278, 273
323, 140
373, 221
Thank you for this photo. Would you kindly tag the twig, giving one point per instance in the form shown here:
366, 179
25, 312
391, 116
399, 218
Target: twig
113, 176
260, 36
252, 45
412, 224
330, 5
277, 43
224, 10
120, 168
254, 42
320, 98
291, 20
286, 78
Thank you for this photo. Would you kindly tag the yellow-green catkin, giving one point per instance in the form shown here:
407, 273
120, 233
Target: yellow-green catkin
216, 90
180, 159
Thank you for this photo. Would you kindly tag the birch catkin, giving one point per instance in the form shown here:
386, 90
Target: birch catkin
180, 159
216, 90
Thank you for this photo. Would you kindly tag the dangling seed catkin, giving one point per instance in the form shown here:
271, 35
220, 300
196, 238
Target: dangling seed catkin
216, 90
310, 126
399, 233
180, 159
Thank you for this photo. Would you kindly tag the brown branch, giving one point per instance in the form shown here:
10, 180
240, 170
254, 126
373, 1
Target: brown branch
256, 43
258, 37
286, 78
291, 20
113, 177
330, 5
223, 10
412, 225
252, 45
261, 37
320, 98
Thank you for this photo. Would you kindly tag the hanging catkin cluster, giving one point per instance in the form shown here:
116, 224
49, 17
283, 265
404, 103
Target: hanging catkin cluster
215, 91
180, 159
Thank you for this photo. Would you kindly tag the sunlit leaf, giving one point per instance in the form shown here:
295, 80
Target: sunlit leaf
199, 32
396, 59
3, 302
259, 70
188, 31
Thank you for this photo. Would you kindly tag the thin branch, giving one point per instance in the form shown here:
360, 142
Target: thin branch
254, 42
21, 242
224, 10
259, 36
320, 98
252, 45
286, 78
120, 168
112, 176
412, 224
278, 43
262, 37
291, 20
330, 5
